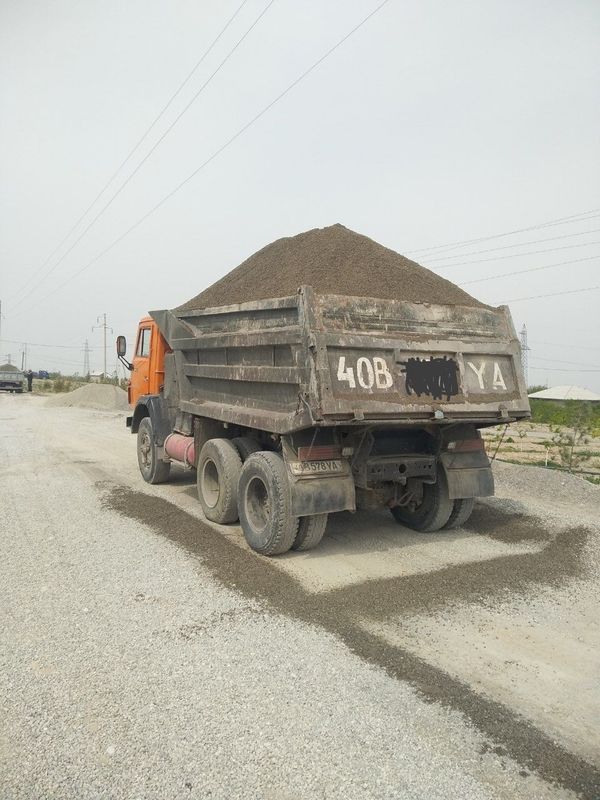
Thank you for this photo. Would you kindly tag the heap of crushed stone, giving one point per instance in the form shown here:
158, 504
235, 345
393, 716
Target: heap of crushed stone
99, 396
333, 260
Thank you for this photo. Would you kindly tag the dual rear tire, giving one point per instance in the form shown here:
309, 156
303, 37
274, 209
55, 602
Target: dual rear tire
237, 478
217, 474
436, 509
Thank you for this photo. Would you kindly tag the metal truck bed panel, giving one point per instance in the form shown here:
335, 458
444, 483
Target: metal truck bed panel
289, 363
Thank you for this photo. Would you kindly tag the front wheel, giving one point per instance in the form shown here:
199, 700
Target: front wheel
265, 504
432, 513
152, 467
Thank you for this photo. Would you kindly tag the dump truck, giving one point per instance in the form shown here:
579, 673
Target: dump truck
296, 407
12, 379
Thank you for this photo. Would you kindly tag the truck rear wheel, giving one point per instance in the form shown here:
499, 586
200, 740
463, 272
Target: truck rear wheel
460, 513
245, 446
432, 513
310, 531
152, 467
265, 504
217, 476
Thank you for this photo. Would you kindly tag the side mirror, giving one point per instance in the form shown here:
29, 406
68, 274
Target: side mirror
121, 346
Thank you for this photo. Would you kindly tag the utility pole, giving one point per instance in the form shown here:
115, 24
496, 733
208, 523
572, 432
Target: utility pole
524, 353
24, 357
105, 328
86, 358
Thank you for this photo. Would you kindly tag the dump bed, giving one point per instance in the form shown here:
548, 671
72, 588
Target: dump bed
289, 363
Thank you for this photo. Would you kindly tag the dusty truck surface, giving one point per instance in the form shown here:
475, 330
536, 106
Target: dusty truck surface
294, 407
12, 379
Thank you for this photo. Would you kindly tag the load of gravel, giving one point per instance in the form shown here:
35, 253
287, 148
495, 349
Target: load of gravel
333, 260
99, 396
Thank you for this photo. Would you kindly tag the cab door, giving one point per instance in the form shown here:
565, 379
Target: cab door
139, 381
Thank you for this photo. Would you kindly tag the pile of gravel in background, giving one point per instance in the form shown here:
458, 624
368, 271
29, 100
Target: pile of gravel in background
332, 260
99, 396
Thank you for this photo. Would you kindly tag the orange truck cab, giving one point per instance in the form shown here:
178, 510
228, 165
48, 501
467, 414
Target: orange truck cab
148, 365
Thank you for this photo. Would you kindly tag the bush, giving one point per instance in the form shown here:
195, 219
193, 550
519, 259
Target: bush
61, 385
565, 413
579, 434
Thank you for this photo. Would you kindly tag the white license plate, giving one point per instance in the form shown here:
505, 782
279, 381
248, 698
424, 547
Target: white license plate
315, 467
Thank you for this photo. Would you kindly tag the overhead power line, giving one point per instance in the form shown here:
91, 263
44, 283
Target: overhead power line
571, 363
560, 369
517, 255
217, 152
581, 217
54, 360
518, 244
554, 294
136, 146
568, 346
51, 346
529, 269
149, 153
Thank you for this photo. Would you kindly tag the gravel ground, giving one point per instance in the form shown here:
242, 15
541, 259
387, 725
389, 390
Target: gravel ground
551, 495
138, 661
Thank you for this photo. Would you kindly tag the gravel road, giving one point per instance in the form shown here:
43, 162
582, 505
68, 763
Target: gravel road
147, 654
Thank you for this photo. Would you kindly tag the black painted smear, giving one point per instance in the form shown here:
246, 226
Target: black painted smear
434, 376
256, 577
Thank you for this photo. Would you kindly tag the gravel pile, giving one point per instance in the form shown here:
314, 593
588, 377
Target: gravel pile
333, 260
545, 484
99, 396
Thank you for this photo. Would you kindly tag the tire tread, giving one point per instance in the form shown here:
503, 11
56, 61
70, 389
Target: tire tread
460, 513
284, 535
310, 532
436, 515
229, 465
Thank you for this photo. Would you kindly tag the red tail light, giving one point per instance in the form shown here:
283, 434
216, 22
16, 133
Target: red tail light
319, 452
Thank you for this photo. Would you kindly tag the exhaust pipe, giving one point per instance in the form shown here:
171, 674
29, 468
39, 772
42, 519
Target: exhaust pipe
181, 448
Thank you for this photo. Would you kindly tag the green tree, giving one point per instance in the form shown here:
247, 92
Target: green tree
567, 441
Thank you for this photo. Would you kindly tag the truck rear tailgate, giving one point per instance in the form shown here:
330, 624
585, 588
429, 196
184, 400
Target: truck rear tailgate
379, 358
285, 364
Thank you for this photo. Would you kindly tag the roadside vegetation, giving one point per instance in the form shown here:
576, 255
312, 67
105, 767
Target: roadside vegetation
562, 436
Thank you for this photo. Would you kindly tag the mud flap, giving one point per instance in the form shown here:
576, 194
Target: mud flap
322, 495
468, 481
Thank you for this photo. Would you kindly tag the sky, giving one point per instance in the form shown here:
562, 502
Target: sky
433, 123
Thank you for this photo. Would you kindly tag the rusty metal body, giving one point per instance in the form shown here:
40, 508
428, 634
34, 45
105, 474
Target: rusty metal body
307, 361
